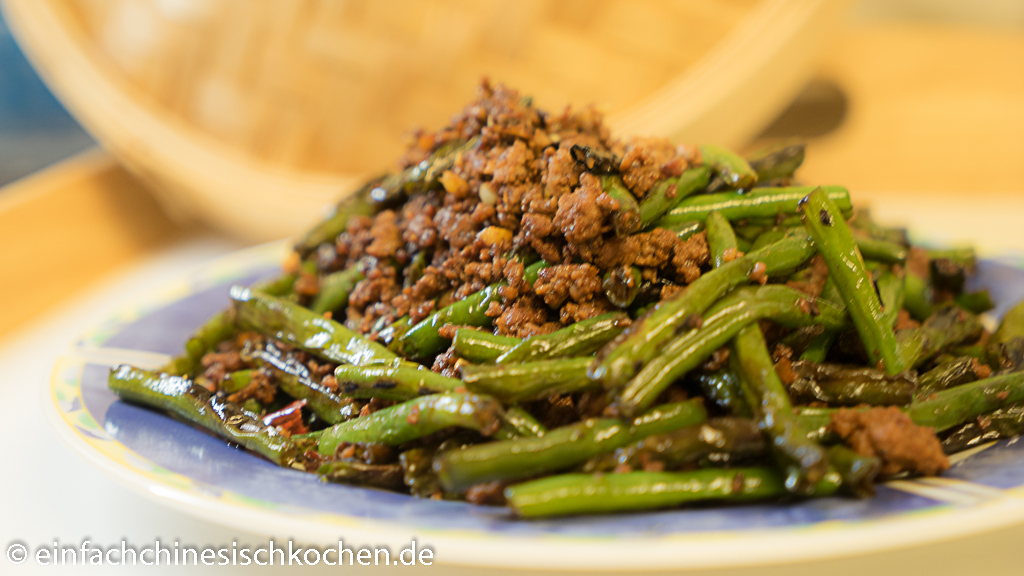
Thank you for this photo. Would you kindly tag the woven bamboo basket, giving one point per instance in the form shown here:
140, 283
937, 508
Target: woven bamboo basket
254, 114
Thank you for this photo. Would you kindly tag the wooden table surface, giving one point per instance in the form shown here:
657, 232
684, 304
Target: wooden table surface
934, 118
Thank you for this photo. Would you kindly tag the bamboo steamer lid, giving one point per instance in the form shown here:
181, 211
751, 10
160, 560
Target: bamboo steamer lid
253, 115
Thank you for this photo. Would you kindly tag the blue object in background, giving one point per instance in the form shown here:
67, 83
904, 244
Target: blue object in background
35, 130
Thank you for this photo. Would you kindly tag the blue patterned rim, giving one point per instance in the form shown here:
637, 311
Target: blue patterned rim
175, 461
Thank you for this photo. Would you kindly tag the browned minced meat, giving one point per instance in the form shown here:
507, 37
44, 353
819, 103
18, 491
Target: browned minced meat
890, 435
521, 185
648, 160
447, 364
557, 284
487, 494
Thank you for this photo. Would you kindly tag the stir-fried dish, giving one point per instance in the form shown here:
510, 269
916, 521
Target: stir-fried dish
531, 312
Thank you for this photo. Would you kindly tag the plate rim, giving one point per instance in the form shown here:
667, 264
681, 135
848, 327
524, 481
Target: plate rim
711, 549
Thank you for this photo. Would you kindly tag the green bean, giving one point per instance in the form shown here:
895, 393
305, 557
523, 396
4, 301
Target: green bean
389, 476
880, 250
1003, 423
236, 381
729, 166
975, 302
721, 239
420, 177
850, 386
294, 379
804, 461
892, 293
723, 388
835, 243
769, 236
626, 218
727, 438
414, 271
622, 285
684, 230
918, 299
481, 347
205, 339
355, 204
857, 471
1006, 356
524, 423
415, 419
529, 380
962, 257
424, 339
758, 203
781, 304
571, 494
669, 192
558, 449
396, 382
279, 286
947, 327
580, 339
334, 290
818, 349
777, 162
862, 221
179, 396
948, 408
948, 375
417, 473
305, 329
1012, 325
623, 357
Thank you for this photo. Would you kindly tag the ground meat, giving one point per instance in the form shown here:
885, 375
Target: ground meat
526, 316
614, 252
648, 160
574, 312
581, 215
578, 282
488, 494
259, 387
447, 364
890, 435
689, 256
387, 238
518, 188
656, 248
562, 174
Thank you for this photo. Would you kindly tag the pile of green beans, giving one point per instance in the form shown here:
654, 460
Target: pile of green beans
725, 390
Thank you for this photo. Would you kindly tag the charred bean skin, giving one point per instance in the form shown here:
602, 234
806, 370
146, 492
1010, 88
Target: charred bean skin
179, 396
